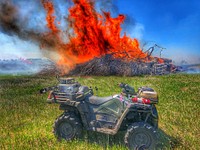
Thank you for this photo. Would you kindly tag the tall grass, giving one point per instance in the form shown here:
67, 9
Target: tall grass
26, 120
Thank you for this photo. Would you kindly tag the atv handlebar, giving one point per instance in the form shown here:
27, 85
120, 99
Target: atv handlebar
44, 90
127, 89
121, 85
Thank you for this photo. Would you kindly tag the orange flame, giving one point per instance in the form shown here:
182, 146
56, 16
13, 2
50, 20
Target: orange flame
93, 35
48, 6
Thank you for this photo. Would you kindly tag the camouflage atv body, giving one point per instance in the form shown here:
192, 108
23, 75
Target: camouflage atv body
129, 111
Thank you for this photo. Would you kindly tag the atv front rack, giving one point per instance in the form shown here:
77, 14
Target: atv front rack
64, 101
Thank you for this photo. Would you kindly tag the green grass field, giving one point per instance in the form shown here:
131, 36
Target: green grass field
26, 119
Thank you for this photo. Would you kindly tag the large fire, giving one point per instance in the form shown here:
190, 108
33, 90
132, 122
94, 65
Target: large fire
94, 35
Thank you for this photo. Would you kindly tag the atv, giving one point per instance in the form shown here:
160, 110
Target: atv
130, 111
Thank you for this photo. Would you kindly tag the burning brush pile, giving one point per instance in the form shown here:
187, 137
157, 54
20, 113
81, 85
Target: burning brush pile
92, 43
108, 65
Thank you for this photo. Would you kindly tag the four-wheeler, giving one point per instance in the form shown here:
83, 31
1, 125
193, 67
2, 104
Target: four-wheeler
130, 111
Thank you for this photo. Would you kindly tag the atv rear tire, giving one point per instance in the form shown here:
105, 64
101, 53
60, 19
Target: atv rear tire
141, 134
67, 126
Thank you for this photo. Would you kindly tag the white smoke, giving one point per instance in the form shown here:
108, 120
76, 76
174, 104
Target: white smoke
137, 31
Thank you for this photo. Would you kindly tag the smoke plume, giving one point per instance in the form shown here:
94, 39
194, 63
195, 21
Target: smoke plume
12, 23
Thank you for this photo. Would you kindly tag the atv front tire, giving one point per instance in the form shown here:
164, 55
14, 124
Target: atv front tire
141, 134
67, 127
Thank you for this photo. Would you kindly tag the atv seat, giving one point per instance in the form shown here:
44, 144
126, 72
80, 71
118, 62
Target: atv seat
99, 100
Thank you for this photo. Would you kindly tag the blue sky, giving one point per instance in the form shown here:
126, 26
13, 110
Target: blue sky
172, 24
